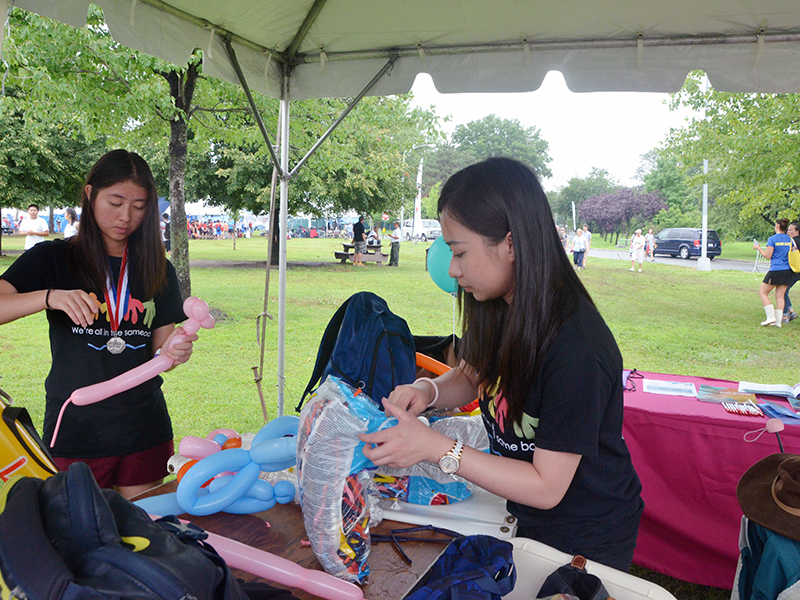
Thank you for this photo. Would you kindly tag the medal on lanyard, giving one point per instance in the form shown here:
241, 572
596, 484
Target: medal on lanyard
117, 304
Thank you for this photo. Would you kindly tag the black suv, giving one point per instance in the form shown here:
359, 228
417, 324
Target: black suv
686, 242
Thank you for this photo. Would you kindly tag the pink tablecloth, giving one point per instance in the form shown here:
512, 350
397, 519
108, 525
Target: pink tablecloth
690, 455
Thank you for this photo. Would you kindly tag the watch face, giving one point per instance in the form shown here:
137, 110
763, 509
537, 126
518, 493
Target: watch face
448, 464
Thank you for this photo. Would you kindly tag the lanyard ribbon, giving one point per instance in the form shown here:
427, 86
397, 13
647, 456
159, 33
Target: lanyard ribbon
117, 297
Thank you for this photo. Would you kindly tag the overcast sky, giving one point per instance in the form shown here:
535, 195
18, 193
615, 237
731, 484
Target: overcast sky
608, 130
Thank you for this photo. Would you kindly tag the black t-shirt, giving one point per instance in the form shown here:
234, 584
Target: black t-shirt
575, 406
358, 232
125, 423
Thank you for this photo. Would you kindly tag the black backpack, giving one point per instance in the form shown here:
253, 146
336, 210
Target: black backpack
367, 346
63, 538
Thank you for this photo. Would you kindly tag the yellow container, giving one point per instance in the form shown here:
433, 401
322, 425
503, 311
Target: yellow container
22, 451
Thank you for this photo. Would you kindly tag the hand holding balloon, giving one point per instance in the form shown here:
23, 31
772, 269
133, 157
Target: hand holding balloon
175, 353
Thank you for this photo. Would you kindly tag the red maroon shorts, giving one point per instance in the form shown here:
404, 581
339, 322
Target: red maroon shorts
132, 469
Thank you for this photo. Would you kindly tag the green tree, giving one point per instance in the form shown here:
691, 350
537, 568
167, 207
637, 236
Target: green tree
493, 136
445, 160
750, 141
82, 78
579, 189
43, 166
662, 172
360, 167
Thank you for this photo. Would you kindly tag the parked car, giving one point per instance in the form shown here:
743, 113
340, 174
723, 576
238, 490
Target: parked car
431, 229
686, 242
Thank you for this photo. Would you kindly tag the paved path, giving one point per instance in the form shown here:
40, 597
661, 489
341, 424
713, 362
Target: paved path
718, 264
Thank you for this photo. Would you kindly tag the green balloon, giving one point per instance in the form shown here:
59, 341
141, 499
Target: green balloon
439, 256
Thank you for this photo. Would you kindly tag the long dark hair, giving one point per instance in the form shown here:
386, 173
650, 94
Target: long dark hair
506, 344
146, 256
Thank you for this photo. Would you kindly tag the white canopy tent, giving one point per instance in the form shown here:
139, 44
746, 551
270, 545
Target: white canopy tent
349, 48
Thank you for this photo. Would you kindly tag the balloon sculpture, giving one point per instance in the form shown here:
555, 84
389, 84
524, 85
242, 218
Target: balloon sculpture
195, 309
439, 257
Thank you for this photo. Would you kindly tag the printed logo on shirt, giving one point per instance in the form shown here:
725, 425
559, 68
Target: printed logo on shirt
134, 312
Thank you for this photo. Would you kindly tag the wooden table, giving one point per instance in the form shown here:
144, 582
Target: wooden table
373, 253
280, 530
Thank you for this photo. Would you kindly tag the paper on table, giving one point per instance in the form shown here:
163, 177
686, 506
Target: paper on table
711, 393
669, 388
776, 411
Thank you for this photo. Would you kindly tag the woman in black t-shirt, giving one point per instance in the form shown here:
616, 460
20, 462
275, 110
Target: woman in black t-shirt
113, 300
544, 365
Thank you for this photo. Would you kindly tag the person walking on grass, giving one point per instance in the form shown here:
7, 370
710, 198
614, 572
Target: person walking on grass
789, 313
578, 249
637, 250
587, 239
650, 241
780, 276
359, 242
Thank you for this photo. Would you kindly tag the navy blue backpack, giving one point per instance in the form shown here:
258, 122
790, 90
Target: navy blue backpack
367, 346
63, 538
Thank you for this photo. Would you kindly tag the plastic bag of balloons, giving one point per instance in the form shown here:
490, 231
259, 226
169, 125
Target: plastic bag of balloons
332, 478
425, 483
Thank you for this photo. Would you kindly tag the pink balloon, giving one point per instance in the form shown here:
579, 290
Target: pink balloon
138, 375
192, 446
199, 310
282, 571
121, 383
208, 322
228, 433
187, 305
775, 425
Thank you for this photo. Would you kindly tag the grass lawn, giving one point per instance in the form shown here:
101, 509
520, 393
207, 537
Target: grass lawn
667, 319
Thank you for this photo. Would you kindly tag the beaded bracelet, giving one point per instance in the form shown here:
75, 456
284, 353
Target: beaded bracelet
435, 390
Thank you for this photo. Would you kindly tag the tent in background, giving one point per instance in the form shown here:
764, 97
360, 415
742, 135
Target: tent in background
350, 48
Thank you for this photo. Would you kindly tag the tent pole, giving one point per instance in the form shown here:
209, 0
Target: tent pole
253, 108
284, 121
261, 320
386, 68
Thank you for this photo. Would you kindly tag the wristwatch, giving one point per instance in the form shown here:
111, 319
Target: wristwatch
450, 462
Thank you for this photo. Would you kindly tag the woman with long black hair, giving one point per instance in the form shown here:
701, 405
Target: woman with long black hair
543, 363
112, 301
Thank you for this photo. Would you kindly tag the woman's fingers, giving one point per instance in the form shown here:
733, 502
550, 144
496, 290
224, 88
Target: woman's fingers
79, 306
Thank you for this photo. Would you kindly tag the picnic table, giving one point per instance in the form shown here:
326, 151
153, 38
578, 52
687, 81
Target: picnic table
373, 253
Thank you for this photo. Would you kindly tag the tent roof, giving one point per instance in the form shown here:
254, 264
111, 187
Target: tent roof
333, 48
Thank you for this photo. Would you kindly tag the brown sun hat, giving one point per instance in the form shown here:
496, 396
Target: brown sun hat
769, 494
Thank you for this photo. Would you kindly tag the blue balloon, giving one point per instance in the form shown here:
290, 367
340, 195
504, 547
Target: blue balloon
439, 256
274, 448
233, 459
284, 492
163, 505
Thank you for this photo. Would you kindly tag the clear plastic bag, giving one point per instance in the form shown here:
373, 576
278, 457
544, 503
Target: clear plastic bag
332, 480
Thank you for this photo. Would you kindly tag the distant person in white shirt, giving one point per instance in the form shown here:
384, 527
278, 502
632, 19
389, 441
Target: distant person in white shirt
587, 238
71, 228
33, 227
396, 235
